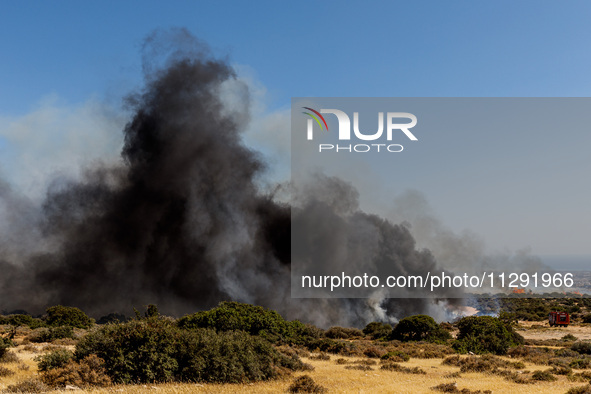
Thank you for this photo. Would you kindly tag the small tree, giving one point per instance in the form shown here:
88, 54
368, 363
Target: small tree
68, 316
419, 328
152, 311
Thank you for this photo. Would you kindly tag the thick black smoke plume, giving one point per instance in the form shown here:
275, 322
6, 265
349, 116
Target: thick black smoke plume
181, 221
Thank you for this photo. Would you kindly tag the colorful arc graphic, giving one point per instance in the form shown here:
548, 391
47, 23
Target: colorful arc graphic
315, 118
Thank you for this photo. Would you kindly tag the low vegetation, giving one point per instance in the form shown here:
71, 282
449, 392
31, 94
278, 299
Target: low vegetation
244, 344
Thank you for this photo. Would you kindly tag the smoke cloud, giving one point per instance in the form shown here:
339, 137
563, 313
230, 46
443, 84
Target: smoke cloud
181, 220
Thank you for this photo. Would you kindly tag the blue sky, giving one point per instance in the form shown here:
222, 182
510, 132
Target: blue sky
328, 48
71, 52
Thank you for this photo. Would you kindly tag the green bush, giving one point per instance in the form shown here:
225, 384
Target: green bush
67, 316
22, 320
419, 328
377, 330
228, 357
137, 351
156, 350
252, 319
396, 355
485, 334
51, 334
55, 359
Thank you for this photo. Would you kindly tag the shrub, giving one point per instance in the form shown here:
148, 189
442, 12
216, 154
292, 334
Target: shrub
305, 384
229, 357
374, 352
55, 359
377, 330
485, 334
399, 368
580, 363
560, 370
453, 388
137, 351
5, 343
582, 347
480, 364
343, 333
330, 346
566, 353
365, 362
156, 350
359, 367
88, 372
24, 320
569, 337
4, 372
580, 390
151, 311
67, 316
9, 357
27, 386
536, 355
51, 334
112, 318
396, 356
456, 361
419, 328
255, 320
320, 356
544, 376
446, 388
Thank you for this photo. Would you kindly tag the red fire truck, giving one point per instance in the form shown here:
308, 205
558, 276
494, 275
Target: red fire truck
559, 319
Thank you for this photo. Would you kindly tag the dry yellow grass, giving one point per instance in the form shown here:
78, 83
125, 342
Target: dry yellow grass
541, 331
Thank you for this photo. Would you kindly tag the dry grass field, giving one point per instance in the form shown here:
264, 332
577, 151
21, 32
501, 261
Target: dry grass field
337, 379
541, 331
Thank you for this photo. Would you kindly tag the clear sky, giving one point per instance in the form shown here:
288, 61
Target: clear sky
70, 52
